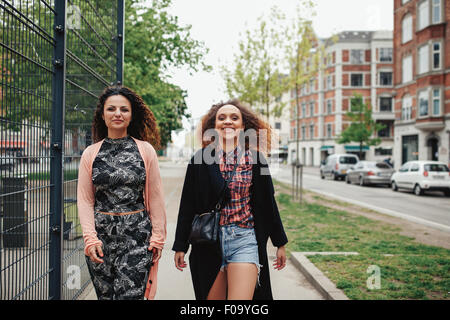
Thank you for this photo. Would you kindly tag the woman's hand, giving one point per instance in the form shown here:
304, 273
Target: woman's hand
179, 260
95, 252
280, 261
156, 253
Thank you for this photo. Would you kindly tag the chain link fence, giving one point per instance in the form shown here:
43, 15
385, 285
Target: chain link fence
57, 56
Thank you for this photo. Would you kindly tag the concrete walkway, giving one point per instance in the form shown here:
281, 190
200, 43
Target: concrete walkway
287, 284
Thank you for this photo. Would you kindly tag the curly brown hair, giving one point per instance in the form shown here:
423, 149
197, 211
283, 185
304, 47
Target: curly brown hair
143, 124
263, 131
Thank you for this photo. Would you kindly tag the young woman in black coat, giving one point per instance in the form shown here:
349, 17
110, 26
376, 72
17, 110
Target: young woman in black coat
236, 267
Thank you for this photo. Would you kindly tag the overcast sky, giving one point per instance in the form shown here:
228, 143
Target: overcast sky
218, 23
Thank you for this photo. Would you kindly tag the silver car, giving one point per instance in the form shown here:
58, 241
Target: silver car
336, 165
370, 172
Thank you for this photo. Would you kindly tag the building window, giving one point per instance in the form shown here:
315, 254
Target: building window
386, 131
311, 85
329, 82
303, 133
311, 131
436, 11
383, 151
385, 104
423, 103
329, 107
407, 28
406, 108
424, 15
385, 78
423, 59
311, 108
356, 80
407, 69
385, 54
303, 110
436, 102
329, 59
329, 130
295, 134
356, 56
278, 125
436, 55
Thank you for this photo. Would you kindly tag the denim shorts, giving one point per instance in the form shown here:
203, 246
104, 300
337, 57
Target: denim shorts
238, 245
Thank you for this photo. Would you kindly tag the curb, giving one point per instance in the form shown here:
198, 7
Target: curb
316, 277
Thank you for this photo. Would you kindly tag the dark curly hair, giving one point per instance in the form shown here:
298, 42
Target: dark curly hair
143, 124
250, 120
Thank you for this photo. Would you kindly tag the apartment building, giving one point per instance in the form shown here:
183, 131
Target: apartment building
358, 62
280, 124
422, 80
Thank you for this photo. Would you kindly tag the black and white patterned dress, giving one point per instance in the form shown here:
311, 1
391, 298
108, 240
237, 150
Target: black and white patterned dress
118, 175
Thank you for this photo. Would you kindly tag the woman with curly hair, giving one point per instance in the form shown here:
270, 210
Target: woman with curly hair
120, 198
236, 267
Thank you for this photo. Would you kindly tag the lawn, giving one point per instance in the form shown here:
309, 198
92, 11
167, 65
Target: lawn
408, 269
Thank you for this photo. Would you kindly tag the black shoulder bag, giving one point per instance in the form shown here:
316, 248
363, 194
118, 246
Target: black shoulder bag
205, 226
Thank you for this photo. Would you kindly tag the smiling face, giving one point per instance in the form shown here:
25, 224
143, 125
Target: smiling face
117, 115
229, 124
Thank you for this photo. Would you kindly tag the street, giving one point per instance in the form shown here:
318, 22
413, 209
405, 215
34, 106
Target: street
290, 283
431, 209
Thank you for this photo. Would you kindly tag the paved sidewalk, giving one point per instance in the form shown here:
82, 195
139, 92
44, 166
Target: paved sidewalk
287, 284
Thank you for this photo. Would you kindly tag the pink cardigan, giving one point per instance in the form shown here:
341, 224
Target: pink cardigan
153, 198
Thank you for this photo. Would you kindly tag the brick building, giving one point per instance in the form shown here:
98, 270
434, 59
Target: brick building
359, 62
422, 80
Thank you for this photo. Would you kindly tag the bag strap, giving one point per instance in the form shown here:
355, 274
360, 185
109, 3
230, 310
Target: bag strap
227, 182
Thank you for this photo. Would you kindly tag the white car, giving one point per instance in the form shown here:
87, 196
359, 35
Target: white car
421, 176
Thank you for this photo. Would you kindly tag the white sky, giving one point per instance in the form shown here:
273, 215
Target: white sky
218, 23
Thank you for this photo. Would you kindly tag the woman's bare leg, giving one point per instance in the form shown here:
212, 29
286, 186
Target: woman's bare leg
218, 290
242, 278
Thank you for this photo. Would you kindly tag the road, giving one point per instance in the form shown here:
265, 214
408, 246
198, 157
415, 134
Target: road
431, 209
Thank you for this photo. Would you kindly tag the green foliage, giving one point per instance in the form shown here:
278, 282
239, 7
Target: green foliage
255, 76
409, 269
154, 42
362, 127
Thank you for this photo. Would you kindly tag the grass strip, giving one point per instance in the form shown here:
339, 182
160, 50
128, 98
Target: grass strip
407, 269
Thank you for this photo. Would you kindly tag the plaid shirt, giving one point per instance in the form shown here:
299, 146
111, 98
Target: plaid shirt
237, 211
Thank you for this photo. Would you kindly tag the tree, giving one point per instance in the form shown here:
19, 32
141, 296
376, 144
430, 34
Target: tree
363, 127
154, 42
304, 54
255, 76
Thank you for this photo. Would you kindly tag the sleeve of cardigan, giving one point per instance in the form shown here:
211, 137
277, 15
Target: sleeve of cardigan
85, 202
186, 212
155, 201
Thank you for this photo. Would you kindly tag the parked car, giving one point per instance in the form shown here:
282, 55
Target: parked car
421, 176
370, 172
336, 165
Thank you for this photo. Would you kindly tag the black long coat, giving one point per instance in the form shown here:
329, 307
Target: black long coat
202, 188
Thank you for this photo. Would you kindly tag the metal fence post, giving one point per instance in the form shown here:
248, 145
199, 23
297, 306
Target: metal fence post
120, 39
57, 151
